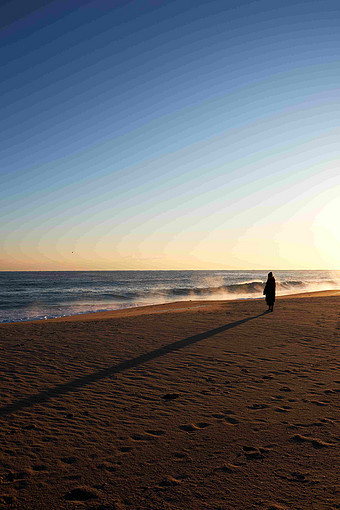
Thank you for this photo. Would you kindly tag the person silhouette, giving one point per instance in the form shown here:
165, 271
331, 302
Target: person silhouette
269, 292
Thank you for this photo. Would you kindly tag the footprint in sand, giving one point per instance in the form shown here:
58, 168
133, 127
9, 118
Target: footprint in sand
316, 443
252, 452
17, 477
297, 476
30, 427
275, 506
181, 456
155, 433
326, 420
169, 481
125, 449
107, 466
81, 494
319, 403
219, 416
227, 468
190, 427
171, 396
258, 406
50, 439
231, 420
294, 476
39, 467
68, 460
140, 437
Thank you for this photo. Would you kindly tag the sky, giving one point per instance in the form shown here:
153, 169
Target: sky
169, 134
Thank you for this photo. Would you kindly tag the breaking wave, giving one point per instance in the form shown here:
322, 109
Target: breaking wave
241, 290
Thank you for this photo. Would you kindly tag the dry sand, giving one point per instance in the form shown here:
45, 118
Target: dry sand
199, 405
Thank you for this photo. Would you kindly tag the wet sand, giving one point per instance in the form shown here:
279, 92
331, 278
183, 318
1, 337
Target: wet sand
190, 405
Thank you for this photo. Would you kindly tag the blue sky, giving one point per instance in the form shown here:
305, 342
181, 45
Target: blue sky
142, 134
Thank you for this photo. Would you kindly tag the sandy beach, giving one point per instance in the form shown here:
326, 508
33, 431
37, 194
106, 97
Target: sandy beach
191, 405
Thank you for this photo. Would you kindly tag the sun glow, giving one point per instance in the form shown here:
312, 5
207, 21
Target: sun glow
327, 233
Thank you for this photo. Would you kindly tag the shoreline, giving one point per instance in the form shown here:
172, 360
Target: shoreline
167, 306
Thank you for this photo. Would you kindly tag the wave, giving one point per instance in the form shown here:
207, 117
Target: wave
244, 289
52, 303
236, 288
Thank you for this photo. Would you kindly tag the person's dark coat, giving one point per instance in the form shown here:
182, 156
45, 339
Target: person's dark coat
269, 291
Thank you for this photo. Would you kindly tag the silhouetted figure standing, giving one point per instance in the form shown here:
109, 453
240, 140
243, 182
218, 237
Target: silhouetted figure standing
269, 292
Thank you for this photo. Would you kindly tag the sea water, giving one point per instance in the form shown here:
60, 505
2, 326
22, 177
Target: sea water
46, 294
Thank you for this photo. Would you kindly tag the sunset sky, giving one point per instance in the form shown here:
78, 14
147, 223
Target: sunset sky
170, 134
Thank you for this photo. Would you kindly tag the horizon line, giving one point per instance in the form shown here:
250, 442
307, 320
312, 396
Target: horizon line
125, 270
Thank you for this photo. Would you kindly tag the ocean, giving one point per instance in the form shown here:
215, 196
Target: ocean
46, 294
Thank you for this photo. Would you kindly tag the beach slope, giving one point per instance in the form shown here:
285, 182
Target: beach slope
190, 405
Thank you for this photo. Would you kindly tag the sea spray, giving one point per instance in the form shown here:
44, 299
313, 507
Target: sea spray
39, 295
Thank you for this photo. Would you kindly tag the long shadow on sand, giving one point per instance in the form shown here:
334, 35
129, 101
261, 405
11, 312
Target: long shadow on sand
61, 389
